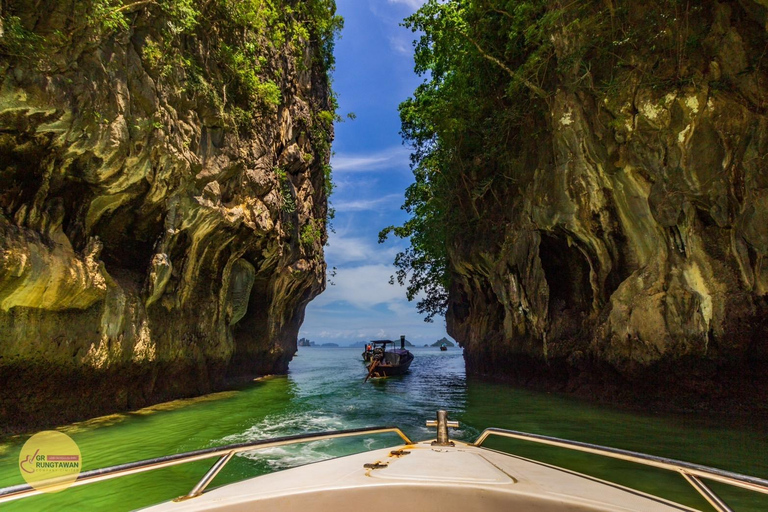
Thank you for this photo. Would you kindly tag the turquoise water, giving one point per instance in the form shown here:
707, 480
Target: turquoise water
324, 390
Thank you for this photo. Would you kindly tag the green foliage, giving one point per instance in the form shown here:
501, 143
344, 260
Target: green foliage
485, 70
228, 53
320, 136
107, 15
423, 266
111, 15
253, 32
17, 41
237, 42
326, 117
152, 53
327, 25
269, 93
328, 180
492, 69
286, 191
311, 233
141, 125
245, 70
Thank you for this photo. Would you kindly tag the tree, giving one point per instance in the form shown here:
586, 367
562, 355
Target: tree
474, 57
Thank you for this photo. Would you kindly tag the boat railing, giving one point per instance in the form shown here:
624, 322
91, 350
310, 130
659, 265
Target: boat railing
693, 473
224, 454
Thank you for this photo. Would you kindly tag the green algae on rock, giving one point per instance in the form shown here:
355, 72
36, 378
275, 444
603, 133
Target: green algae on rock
591, 193
146, 150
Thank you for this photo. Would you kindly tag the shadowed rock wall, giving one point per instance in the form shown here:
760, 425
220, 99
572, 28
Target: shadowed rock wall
633, 255
150, 243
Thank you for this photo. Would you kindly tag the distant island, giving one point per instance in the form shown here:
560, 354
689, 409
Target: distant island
304, 342
441, 341
361, 344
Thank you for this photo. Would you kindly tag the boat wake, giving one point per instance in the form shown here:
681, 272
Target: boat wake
277, 425
291, 456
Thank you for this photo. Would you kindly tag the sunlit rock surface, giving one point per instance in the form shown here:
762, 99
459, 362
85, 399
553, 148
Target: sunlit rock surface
148, 247
633, 261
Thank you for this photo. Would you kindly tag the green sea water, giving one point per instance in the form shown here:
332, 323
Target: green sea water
324, 390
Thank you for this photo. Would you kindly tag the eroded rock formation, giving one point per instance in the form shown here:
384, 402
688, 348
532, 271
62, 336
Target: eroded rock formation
150, 226
633, 252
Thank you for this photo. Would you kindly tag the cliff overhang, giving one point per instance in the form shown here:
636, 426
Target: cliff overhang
162, 168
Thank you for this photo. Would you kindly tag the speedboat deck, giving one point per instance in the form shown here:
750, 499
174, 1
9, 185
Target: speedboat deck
422, 477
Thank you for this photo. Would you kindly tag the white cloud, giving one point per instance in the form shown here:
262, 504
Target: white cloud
343, 250
401, 44
348, 181
401, 308
352, 335
364, 306
413, 4
323, 325
364, 287
387, 202
395, 157
326, 324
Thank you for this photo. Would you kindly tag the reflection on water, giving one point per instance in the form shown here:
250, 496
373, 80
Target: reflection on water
325, 391
711, 441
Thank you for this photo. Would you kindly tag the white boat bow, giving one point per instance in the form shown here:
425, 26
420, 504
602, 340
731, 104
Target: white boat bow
422, 476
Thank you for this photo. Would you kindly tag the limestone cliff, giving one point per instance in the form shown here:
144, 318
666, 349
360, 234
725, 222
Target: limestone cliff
618, 228
163, 176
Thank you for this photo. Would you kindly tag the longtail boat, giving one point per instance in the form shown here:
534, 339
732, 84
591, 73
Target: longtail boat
385, 363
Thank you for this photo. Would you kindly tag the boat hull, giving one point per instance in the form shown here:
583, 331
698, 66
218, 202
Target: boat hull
394, 363
423, 478
384, 370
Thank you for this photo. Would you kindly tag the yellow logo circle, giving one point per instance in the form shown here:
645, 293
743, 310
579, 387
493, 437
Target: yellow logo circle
50, 461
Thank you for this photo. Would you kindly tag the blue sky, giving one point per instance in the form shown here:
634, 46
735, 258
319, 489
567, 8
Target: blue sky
374, 73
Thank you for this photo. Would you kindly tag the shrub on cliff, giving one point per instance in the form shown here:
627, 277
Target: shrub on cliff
235, 41
491, 70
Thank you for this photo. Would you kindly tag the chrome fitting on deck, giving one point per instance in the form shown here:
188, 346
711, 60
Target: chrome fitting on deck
442, 425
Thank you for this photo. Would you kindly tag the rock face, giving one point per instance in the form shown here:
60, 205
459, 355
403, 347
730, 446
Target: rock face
155, 236
633, 256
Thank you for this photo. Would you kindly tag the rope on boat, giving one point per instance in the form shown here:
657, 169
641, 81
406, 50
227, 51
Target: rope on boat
374, 364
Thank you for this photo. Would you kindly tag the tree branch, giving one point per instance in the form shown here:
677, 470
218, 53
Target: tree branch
131, 6
538, 91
